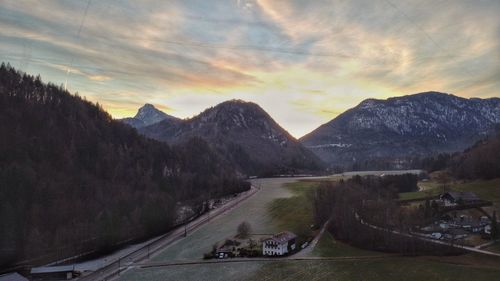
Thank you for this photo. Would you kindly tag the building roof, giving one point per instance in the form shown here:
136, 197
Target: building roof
282, 237
465, 196
457, 231
225, 249
52, 269
13, 276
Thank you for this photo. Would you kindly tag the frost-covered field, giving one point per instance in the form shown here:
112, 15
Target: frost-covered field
201, 272
253, 210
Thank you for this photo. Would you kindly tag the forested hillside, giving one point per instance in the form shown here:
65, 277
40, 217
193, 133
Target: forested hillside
482, 161
72, 179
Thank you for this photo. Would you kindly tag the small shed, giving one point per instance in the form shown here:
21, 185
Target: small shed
62, 272
224, 252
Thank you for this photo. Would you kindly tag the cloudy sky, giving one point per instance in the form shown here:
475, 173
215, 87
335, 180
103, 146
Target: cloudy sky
303, 61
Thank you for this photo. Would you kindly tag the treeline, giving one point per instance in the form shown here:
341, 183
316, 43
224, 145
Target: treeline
353, 206
74, 180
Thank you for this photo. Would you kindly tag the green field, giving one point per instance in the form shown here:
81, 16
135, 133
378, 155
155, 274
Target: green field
292, 211
401, 268
485, 189
328, 246
295, 213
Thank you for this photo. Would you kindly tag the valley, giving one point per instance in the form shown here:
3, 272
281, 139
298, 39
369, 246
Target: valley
284, 204
249, 140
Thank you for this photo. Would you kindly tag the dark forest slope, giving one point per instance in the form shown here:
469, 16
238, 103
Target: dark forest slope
72, 179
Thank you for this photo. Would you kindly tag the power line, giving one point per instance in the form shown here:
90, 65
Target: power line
77, 37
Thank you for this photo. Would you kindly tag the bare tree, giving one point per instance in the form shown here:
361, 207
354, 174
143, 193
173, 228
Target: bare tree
244, 230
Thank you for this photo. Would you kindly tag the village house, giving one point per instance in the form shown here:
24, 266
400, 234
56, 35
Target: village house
280, 244
453, 198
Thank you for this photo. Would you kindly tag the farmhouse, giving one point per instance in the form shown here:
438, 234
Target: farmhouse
279, 245
453, 198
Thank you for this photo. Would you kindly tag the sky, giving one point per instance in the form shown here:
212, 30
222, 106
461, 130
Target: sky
304, 62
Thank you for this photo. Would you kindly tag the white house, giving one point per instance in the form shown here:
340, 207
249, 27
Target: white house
279, 245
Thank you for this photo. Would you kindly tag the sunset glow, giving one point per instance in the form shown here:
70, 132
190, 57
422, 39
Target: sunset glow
304, 62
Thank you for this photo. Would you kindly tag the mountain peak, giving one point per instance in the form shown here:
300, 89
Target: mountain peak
149, 111
237, 103
147, 106
247, 136
147, 115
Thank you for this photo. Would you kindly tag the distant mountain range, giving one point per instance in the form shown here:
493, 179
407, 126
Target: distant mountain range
147, 115
245, 134
413, 125
375, 132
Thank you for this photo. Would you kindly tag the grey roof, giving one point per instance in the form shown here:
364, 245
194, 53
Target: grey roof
466, 196
282, 237
457, 231
14, 276
52, 269
225, 249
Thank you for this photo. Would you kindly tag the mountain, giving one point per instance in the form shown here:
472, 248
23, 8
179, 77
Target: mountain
246, 135
413, 125
73, 180
148, 115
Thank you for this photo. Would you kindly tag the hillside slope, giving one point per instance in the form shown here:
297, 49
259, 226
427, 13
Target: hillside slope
73, 180
413, 125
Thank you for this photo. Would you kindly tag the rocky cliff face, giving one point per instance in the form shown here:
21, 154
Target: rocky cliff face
414, 125
147, 115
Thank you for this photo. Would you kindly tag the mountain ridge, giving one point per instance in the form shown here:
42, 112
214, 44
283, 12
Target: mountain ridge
398, 127
245, 134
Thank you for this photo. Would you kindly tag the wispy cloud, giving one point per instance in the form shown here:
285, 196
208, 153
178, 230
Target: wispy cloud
304, 61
